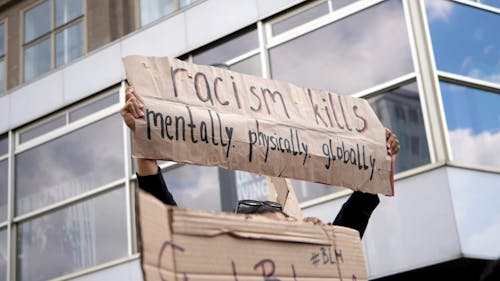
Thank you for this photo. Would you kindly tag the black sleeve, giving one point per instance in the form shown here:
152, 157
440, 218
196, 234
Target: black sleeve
155, 184
356, 212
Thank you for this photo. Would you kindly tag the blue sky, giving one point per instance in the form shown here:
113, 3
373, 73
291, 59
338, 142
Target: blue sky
466, 41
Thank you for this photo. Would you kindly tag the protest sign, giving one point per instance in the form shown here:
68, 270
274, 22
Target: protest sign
210, 116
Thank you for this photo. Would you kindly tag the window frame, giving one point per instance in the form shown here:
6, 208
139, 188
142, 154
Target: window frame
51, 35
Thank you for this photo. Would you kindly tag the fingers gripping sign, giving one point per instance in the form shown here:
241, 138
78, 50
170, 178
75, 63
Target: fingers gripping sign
132, 109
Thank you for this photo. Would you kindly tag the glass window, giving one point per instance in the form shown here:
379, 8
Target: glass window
42, 26
348, 55
3, 254
37, 60
2, 38
337, 4
36, 21
475, 31
300, 18
473, 119
69, 165
2, 58
152, 10
228, 48
95, 106
3, 189
67, 10
412, 136
250, 66
73, 238
42, 129
4, 144
195, 187
69, 44
494, 3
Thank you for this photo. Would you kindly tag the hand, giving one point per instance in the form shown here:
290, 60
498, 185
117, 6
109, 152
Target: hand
132, 109
392, 143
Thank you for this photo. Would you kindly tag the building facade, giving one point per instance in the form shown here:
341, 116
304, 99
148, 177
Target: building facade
429, 68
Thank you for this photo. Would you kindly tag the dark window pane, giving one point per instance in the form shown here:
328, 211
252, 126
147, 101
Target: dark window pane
86, 234
195, 187
414, 148
228, 49
4, 144
37, 60
3, 254
69, 165
2, 38
37, 21
250, 66
473, 119
66, 10
3, 189
300, 18
95, 106
69, 44
42, 129
465, 39
349, 55
152, 10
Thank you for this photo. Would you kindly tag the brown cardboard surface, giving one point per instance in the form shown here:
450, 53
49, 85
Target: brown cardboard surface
210, 116
182, 244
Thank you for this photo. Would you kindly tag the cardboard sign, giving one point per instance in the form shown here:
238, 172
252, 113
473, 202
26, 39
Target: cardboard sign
190, 245
210, 116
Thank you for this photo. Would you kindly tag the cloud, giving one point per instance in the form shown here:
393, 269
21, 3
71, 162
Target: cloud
439, 9
475, 149
488, 49
479, 74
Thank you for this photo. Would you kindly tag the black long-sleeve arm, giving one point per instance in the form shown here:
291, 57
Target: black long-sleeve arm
155, 184
357, 210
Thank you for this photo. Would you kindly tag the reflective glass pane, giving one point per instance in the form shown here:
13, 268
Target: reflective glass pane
305, 190
4, 144
184, 3
2, 77
2, 38
94, 107
3, 189
70, 239
476, 33
36, 60
250, 186
300, 18
228, 49
42, 129
494, 3
250, 66
3, 254
69, 165
152, 10
473, 119
399, 110
337, 4
195, 187
37, 21
349, 55
69, 44
66, 10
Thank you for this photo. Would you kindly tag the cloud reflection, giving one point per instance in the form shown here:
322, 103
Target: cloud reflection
475, 149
